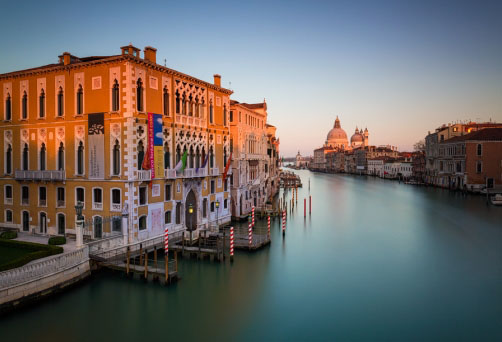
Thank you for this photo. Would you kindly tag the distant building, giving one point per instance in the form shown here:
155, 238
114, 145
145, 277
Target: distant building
301, 162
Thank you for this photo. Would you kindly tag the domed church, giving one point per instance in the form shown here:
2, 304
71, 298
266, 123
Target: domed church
337, 138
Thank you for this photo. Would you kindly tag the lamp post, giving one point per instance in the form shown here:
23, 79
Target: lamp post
79, 225
217, 212
190, 212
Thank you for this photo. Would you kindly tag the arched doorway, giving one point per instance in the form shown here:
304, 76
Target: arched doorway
43, 223
61, 224
98, 227
191, 218
26, 221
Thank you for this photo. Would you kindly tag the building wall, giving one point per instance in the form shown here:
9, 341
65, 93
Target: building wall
490, 159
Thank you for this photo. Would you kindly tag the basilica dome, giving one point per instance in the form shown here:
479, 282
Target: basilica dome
337, 138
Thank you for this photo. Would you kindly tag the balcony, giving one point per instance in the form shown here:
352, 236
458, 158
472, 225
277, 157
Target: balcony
170, 174
37, 175
25, 201
60, 203
214, 171
116, 207
143, 175
97, 206
42, 203
192, 173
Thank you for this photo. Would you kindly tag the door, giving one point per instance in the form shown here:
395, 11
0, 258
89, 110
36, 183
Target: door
191, 205
43, 223
61, 224
98, 227
26, 221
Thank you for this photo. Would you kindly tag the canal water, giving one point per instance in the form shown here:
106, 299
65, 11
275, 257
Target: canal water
376, 260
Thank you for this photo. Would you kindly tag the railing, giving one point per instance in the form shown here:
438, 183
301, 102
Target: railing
98, 246
25, 201
60, 203
8, 201
42, 203
52, 175
121, 251
97, 206
143, 175
116, 206
170, 174
214, 171
43, 268
193, 173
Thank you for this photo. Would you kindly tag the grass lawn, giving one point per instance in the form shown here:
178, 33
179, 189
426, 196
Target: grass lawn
10, 253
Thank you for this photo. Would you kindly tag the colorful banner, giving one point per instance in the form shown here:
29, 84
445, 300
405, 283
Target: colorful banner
158, 147
96, 138
151, 157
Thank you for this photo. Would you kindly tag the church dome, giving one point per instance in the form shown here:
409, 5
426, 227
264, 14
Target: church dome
337, 136
357, 138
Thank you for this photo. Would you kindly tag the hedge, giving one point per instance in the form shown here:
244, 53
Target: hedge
12, 234
57, 240
39, 251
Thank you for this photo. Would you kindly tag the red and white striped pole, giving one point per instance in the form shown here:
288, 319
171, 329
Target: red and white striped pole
268, 226
252, 215
283, 222
250, 235
166, 250
231, 243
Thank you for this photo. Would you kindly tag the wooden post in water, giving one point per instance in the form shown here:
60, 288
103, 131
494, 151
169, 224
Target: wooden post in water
155, 257
140, 254
166, 250
176, 261
146, 264
304, 207
310, 205
223, 251
128, 261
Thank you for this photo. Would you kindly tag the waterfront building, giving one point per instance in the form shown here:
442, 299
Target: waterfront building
405, 169
441, 134
376, 165
471, 161
418, 166
253, 162
301, 162
108, 131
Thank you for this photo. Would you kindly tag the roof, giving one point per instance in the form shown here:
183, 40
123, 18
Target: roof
486, 134
250, 105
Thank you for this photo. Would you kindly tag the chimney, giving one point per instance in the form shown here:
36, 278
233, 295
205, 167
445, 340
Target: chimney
217, 80
66, 58
150, 54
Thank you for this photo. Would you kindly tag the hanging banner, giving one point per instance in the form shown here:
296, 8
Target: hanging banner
158, 148
96, 138
149, 150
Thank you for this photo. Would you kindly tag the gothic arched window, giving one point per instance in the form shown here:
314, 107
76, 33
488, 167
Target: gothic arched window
8, 107
116, 158
115, 96
24, 106
167, 157
80, 159
141, 154
165, 96
60, 102
8, 156
177, 102
80, 100
43, 152
61, 157
41, 104
139, 95
25, 157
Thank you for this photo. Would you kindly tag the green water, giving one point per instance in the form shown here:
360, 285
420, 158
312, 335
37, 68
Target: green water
377, 260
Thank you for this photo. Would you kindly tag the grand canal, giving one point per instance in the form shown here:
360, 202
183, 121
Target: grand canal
376, 260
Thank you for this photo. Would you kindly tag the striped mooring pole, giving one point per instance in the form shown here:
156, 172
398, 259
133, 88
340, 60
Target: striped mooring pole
250, 235
252, 215
166, 249
268, 226
231, 243
283, 222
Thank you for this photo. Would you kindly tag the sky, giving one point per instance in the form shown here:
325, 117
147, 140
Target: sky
399, 68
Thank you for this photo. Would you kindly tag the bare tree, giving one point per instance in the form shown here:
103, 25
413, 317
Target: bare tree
419, 146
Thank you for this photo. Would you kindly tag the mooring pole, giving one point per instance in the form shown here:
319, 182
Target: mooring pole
128, 260
304, 207
166, 250
268, 227
146, 264
140, 254
283, 223
310, 205
155, 257
231, 244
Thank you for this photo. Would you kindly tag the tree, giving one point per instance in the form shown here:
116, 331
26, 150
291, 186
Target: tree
419, 146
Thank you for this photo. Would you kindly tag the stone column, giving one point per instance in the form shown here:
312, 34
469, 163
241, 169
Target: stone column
79, 227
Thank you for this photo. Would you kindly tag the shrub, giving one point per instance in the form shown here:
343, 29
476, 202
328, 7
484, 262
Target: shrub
57, 240
8, 235
38, 251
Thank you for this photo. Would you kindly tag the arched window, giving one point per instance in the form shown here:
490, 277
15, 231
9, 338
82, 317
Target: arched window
211, 112
80, 159
60, 102
183, 104
479, 149
141, 154
178, 154
211, 157
197, 108
80, 100
178, 213
8, 107
177, 102
115, 96
197, 158
203, 156
139, 95
42, 156
61, 224
116, 158
166, 102
41, 104
190, 106
24, 106
167, 157
191, 159
61, 157
8, 156
25, 157
224, 157
224, 115
167, 217
142, 223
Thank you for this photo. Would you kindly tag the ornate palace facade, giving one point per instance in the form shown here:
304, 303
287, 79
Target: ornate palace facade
108, 131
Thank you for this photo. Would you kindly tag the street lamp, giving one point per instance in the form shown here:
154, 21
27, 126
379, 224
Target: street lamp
217, 212
190, 211
79, 224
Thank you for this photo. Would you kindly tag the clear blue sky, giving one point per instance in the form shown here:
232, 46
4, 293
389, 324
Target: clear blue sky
400, 68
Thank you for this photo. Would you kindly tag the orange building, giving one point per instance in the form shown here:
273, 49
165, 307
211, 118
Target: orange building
80, 130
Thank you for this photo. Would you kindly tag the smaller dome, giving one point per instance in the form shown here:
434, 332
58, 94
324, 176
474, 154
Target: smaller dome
357, 137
